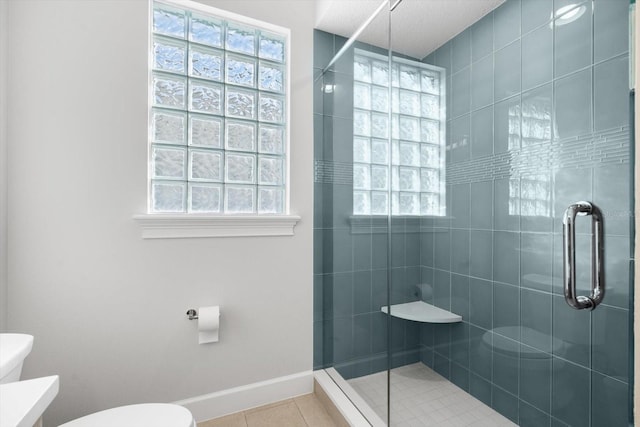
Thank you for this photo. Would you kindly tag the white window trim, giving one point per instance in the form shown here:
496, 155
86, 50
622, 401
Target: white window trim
180, 226
191, 225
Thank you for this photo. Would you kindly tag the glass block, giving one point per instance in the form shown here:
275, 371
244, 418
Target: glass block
205, 198
534, 130
270, 170
169, 91
379, 177
528, 208
395, 79
241, 39
527, 189
380, 73
240, 135
239, 199
361, 176
409, 179
395, 178
169, 127
395, 203
395, 127
409, 128
271, 108
514, 207
379, 99
395, 153
241, 103
271, 77
240, 70
379, 125
206, 30
240, 168
430, 82
429, 155
169, 55
395, 100
409, 77
379, 203
205, 131
205, 97
205, 63
169, 21
361, 96
361, 150
409, 203
272, 47
361, 203
362, 69
514, 189
168, 196
409, 103
168, 162
271, 139
205, 165
430, 131
271, 200
361, 123
429, 180
409, 154
380, 151
429, 204
430, 106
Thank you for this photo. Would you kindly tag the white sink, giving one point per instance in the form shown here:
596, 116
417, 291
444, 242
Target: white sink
23, 402
13, 350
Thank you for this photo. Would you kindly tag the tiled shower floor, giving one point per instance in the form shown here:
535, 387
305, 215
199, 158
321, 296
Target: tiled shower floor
421, 397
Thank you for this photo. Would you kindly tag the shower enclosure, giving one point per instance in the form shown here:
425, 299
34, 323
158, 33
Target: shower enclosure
440, 233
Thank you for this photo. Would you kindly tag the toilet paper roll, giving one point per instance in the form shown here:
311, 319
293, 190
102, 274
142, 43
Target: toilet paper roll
208, 324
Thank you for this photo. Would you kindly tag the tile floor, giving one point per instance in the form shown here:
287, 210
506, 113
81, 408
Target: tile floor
421, 397
301, 411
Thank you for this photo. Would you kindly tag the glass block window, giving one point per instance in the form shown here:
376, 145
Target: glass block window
530, 195
413, 167
217, 126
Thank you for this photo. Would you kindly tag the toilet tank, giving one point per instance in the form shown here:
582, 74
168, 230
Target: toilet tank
14, 348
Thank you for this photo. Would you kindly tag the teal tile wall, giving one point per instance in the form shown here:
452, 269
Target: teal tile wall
537, 119
549, 125
350, 258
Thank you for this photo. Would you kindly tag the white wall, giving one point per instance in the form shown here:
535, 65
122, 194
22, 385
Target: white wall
107, 308
3, 167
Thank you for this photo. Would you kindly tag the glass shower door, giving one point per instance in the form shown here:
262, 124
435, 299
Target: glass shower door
537, 119
351, 225
452, 196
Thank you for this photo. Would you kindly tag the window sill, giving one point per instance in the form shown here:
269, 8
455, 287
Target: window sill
189, 226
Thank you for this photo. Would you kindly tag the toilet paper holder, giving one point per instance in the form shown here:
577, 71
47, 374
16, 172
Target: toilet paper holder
192, 313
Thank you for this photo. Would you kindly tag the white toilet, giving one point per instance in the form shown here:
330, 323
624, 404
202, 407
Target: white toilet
146, 414
15, 347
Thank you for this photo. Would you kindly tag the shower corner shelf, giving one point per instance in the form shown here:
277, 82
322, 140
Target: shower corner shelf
420, 311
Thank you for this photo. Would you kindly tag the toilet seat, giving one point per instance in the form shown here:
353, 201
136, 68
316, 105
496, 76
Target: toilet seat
147, 414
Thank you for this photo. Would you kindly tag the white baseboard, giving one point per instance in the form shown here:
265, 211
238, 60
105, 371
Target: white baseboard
249, 396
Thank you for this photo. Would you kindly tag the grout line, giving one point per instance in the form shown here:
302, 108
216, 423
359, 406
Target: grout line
304, 419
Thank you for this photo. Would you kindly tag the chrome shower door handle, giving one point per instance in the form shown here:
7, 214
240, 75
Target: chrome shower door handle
596, 296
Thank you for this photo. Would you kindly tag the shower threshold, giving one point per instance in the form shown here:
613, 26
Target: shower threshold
422, 397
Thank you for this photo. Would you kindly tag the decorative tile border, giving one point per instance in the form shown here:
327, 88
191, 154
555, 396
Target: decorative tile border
586, 151
332, 172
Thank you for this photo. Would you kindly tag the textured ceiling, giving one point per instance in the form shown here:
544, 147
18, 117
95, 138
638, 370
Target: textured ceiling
418, 26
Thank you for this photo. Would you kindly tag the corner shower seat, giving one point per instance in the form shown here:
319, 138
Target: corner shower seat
420, 311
